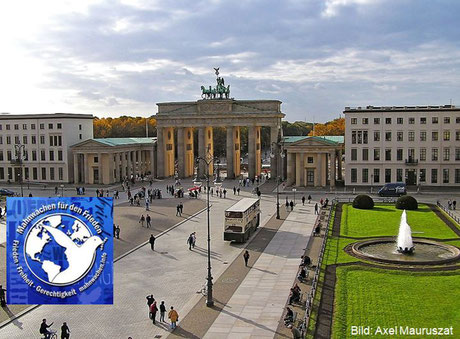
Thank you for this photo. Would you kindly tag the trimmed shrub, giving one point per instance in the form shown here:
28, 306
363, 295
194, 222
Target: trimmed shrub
363, 202
406, 202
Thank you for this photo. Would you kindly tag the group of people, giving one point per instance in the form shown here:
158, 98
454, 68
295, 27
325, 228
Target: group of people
191, 240
147, 220
303, 199
80, 190
116, 231
179, 209
44, 329
452, 204
236, 190
173, 316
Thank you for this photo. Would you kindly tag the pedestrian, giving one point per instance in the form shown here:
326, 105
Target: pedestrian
303, 200
287, 205
316, 208
150, 300
117, 232
238, 190
55, 190
173, 317
321, 202
234, 190
292, 205
44, 329
152, 242
246, 258
153, 310
181, 207
30, 195
149, 221
65, 331
309, 198
194, 239
162, 312
454, 204
190, 241
141, 220
2, 296
296, 334
449, 204
225, 193
1, 213
177, 210
147, 204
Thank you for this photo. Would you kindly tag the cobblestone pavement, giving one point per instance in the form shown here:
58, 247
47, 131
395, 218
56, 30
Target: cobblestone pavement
172, 273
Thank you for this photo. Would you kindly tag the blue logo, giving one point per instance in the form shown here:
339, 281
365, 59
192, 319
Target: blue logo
60, 250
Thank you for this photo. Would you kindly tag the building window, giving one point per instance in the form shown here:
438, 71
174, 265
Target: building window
411, 121
399, 173
365, 154
32, 126
457, 120
310, 160
51, 155
24, 126
399, 136
434, 136
434, 154
1, 127
365, 139
79, 136
60, 140
24, 139
422, 175
16, 127
422, 135
59, 155
96, 160
422, 121
434, 120
422, 154
399, 154
457, 154
376, 135
353, 137
447, 120
42, 126
50, 126
365, 121
59, 126
411, 135
10, 173
387, 136
1, 140
79, 127
51, 173
388, 154
365, 175
387, 174
2, 173
376, 154
51, 141
360, 137
376, 175
376, 121
43, 173
399, 121
7, 127
42, 155
411, 154
388, 121
42, 139
457, 135
34, 155
354, 154
446, 154
61, 173
34, 173
1, 156
457, 175
34, 139
354, 175
446, 135
445, 175
434, 175
8, 140
354, 121
16, 140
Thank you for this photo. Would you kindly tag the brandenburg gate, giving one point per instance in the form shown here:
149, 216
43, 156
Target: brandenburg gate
216, 109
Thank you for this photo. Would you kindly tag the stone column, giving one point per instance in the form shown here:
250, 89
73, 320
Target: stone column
160, 166
139, 162
252, 151
324, 169
236, 151
111, 176
230, 153
180, 152
130, 166
117, 167
189, 156
201, 152
275, 150
300, 170
319, 170
339, 165
86, 168
99, 168
152, 163
333, 158
291, 169
75, 168
123, 165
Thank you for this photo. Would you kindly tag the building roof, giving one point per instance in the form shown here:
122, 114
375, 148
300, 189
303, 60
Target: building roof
400, 109
125, 141
8, 116
337, 139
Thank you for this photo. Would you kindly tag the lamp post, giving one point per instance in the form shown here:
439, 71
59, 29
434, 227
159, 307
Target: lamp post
62, 190
208, 160
277, 149
19, 151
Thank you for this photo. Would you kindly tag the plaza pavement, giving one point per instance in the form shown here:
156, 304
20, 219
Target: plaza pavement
171, 273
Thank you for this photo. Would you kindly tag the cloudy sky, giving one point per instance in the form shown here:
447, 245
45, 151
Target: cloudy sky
316, 56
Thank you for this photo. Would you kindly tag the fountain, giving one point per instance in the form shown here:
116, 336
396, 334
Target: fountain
383, 250
404, 242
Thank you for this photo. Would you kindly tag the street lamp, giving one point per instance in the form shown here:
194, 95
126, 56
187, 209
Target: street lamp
62, 190
19, 150
208, 159
294, 190
277, 148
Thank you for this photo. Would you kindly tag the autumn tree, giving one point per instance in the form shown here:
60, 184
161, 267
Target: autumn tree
334, 127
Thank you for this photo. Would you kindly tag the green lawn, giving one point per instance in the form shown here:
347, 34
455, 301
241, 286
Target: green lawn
383, 220
374, 297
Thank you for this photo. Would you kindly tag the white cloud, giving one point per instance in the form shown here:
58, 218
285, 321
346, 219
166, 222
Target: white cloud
332, 7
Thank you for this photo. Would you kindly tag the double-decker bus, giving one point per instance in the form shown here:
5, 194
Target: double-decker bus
242, 219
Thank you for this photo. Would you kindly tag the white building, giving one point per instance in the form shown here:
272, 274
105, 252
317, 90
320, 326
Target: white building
418, 145
45, 141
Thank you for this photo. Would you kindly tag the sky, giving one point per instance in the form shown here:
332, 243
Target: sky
121, 57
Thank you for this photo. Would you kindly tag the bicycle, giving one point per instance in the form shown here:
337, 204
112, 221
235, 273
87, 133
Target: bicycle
53, 335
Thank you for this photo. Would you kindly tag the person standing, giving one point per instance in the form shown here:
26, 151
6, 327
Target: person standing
303, 200
287, 205
150, 300
316, 208
292, 205
309, 198
152, 242
246, 258
141, 220
149, 221
154, 310
177, 210
117, 232
238, 190
2, 296
225, 193
162, 311
193, 239
234, 190
181, 207
173, 317
454, 204
65, 331
190, 241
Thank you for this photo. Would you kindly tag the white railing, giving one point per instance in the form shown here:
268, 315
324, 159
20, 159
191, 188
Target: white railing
448, 212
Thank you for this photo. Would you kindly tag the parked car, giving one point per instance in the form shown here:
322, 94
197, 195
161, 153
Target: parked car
6, 192
393, 190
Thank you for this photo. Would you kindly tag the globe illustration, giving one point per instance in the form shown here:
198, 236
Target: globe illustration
60, 249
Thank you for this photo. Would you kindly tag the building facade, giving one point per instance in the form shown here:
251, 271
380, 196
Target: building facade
36, 147
418, 145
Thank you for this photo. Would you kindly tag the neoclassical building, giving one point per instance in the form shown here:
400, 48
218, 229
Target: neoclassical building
109, 160
313, 161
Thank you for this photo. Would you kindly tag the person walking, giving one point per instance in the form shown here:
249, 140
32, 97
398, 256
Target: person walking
190, 241
149, 221
238, 190
193, 239
162, 312
181, 207
287, 205
309, 198
141, 220
152, 242
234, 190
2, 296
177, 210
117, 232
225, 193
173, 317
246, 258
316, 208
150, 300
292, 205
454, 204
154, 310
65, 331
303, 200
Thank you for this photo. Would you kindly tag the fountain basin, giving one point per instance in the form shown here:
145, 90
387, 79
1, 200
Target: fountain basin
384, 250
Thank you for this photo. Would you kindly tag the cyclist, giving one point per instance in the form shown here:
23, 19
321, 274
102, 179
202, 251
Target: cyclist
44, 329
